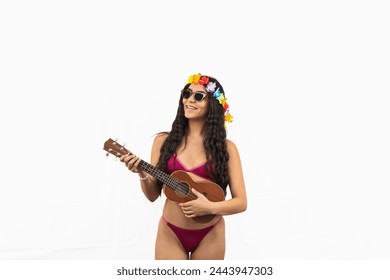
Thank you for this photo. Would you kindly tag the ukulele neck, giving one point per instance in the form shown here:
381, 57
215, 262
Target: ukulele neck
160, 175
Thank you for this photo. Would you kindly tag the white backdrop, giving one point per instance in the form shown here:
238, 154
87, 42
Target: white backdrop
308, 86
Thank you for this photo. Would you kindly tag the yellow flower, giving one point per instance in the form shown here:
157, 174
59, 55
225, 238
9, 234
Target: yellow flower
196, 78
229, 118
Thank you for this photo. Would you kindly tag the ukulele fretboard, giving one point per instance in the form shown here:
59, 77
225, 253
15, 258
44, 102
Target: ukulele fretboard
160, 175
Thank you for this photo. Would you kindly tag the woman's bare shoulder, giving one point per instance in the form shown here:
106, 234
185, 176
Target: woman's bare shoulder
230, 145
160, 139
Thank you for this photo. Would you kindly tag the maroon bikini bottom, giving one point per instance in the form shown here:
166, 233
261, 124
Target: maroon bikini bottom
190, 238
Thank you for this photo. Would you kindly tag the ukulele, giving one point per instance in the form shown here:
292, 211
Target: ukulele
177, 186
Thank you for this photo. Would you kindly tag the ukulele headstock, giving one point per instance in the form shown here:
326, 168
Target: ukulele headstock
113, 147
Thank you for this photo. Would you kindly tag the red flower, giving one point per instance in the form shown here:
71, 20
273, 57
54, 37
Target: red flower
225, 107
204, 80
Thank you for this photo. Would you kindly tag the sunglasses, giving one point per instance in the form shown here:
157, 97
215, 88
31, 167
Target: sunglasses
198, 95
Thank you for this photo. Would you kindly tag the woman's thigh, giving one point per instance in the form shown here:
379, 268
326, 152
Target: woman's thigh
168, 247
212, 247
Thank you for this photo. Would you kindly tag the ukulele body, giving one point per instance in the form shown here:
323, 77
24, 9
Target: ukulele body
210, 190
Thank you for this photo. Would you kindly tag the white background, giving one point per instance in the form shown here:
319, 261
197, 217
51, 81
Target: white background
308, 86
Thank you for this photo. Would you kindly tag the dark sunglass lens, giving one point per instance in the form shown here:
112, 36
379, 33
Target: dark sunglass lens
186, 93
198, 96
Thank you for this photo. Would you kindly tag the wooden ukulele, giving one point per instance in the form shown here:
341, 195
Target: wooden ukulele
177, 186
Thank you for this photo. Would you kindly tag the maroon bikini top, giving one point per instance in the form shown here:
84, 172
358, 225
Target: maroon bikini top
174, 164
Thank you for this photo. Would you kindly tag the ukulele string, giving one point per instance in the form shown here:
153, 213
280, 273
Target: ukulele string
155, 172
170, 181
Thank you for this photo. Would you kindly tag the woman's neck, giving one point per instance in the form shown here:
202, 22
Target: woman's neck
195, 128
193, 138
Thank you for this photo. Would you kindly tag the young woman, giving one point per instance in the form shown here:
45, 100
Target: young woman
197, 144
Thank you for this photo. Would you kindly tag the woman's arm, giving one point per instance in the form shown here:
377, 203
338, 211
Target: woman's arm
149, 186
148, 183
238, 202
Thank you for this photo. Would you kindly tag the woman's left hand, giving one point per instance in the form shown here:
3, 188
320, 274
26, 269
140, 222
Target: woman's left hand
197, 207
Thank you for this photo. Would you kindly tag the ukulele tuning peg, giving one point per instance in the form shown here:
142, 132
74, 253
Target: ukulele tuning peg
108, 152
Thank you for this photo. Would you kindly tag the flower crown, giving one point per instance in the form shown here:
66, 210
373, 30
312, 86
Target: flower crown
211, 87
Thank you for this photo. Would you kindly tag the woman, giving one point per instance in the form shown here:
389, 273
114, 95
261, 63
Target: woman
196, 143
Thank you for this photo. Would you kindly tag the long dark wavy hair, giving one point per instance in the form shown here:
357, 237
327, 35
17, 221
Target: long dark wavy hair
214, 141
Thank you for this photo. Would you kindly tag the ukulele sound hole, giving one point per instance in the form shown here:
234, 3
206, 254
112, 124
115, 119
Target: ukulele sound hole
182, 189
